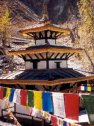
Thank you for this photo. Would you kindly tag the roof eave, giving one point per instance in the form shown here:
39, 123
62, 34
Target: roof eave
35, 51
46, 82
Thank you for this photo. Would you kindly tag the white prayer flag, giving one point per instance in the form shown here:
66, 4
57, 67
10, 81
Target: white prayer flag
58, 104
16, 98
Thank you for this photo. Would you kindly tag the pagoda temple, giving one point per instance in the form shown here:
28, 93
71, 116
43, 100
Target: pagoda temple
46, 63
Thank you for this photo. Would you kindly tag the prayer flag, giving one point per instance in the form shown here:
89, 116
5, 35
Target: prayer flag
54, 121
5, 90
38, 100
65, 123
16, 98
58, 104
72, 106
89, 105
1, 93
8, 91
11, 95
30, 98
92, 88
47, 103
85, 88
89, 88
23, 95
82, 88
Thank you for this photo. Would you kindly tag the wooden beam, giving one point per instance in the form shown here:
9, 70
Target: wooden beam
30, 34
41, 55
35, 35
52, 32
51, 55
63, 55
46, 36
45, 59
20, 56
70, 55
40, 35
67, 54
57, 55
36, 56
24, 57
58, 34
30, 56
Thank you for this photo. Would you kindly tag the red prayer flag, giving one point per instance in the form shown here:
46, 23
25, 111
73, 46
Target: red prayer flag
72, 106
1, 93
54, 121
23, 94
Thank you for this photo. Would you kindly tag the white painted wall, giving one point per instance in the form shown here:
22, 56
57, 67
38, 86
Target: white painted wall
42, 41
28, 65
42, 65
64, 64
51, 41
52, 64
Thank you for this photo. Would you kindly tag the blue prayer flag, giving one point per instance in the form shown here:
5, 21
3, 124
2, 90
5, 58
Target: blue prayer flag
11, 95
47, 103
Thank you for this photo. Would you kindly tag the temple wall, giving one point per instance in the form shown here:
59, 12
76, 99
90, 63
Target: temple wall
28, 65
42, 64
52, 64
42, 41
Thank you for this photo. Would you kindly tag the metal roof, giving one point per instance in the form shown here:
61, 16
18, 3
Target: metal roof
49, 74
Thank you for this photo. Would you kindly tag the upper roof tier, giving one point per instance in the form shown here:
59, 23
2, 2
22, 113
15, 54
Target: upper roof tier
45, 25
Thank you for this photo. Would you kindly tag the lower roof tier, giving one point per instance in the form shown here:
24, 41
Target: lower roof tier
47, 77
49, 74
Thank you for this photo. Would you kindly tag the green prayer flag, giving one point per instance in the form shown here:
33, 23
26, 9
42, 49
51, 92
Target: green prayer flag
89, 105
92, 88
30, 98
5, 91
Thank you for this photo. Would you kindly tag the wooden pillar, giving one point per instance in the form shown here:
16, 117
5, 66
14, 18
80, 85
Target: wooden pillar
47, 61
15, 109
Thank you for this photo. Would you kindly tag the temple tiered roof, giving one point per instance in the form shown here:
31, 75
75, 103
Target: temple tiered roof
45, 48
43, 27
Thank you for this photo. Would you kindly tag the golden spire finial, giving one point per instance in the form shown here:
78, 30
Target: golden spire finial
45, 17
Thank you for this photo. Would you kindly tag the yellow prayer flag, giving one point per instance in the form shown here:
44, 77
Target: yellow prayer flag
89, 88
8, 92
38, 100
